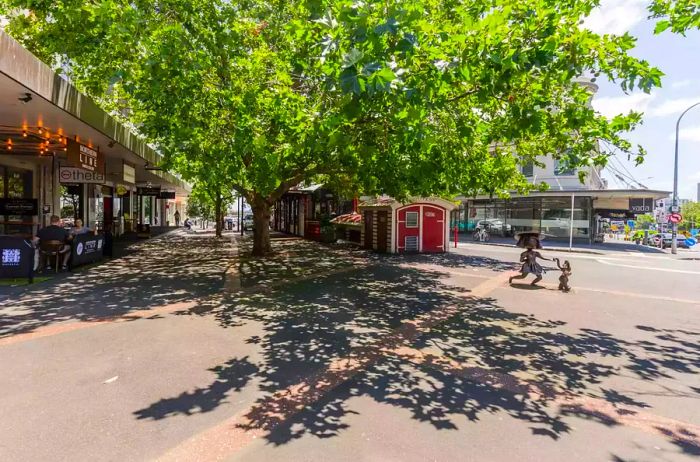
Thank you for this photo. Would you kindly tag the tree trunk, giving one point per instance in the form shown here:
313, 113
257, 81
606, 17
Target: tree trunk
219, 215
261, 227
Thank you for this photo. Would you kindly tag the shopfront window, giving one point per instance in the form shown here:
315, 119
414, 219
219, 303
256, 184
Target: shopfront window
556, 216
523, 215
15, 184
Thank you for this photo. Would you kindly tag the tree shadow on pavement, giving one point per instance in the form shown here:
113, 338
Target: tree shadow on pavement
381, 332
172, 268
231, 376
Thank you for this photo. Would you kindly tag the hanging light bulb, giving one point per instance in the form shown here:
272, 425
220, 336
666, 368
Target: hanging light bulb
40, 131
24, 133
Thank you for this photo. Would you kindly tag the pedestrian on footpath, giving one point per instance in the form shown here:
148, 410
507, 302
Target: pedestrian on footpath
177, 218
530, 241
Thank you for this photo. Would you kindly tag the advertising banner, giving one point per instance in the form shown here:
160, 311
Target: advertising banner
78, 175
129, 174
149, 191
14, 206
16, 258
86, 248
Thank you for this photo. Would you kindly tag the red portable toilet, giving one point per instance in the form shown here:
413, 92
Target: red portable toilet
421, 225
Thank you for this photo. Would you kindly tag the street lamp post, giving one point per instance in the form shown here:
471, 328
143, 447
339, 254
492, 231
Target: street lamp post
674, 232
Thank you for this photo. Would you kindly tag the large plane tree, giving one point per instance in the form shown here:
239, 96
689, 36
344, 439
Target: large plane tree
400, 97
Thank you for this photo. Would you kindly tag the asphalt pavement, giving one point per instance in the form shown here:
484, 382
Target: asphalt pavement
188, 349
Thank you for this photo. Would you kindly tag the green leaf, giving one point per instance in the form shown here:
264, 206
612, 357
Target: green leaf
662, 26
352, 57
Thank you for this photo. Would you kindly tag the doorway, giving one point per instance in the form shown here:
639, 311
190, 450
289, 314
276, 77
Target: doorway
382, 231
369, 227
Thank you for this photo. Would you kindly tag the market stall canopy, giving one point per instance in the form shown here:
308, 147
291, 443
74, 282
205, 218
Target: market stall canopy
348, 219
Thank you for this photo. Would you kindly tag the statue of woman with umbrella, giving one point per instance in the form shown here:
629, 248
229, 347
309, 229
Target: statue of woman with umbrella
530, 241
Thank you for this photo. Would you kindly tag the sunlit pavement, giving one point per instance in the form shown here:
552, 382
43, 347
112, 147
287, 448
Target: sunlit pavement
187, 349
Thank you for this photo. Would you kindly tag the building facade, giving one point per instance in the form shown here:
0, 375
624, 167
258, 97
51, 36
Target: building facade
60, 154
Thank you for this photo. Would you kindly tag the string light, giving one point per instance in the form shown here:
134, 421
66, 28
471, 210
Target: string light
24, 133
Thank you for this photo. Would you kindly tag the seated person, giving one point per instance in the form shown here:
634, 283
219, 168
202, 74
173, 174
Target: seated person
54, 232
79, 228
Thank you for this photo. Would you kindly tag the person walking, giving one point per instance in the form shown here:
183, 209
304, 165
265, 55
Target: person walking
177, 218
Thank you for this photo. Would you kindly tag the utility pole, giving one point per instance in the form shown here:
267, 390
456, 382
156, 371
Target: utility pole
674, 207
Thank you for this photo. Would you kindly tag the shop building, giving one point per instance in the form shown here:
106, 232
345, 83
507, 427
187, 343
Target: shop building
61, 154
305, 210
420, 226
551, 212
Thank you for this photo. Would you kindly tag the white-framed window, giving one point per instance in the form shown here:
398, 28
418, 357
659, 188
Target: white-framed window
411, 219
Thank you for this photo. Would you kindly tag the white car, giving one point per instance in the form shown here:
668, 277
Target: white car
494, 225
680, 240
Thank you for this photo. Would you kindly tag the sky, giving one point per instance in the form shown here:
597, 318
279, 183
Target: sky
679, 58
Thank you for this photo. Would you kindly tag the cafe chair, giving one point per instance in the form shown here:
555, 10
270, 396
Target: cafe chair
50, 249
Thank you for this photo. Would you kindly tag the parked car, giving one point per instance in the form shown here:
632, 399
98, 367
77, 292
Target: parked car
680, 240
248, 221
494, 226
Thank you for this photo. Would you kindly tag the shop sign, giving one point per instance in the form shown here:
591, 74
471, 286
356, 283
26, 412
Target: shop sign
85, 157
129, 174
122, 190
641, 205
149, 191
16, 257
614, 214
166, 195
78, 175
86, 248
16, 206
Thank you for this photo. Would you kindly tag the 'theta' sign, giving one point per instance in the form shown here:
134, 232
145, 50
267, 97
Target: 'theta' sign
78, 175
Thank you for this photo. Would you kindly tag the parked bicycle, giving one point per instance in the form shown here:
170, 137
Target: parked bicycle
481, 235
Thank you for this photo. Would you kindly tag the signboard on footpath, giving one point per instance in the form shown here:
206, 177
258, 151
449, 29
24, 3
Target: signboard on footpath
16, 258
85, 157
86, 248
78, 175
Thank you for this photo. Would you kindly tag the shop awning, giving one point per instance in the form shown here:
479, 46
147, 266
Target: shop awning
32, 95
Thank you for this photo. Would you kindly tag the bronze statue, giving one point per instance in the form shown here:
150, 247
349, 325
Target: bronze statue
565, 275
529, 258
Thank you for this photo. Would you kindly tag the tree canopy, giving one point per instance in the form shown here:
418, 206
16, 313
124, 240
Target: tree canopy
428, 97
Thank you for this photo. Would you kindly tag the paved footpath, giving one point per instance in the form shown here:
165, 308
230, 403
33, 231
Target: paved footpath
188, 349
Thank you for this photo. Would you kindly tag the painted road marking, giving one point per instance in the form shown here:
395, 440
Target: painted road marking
652, 268
574, 290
